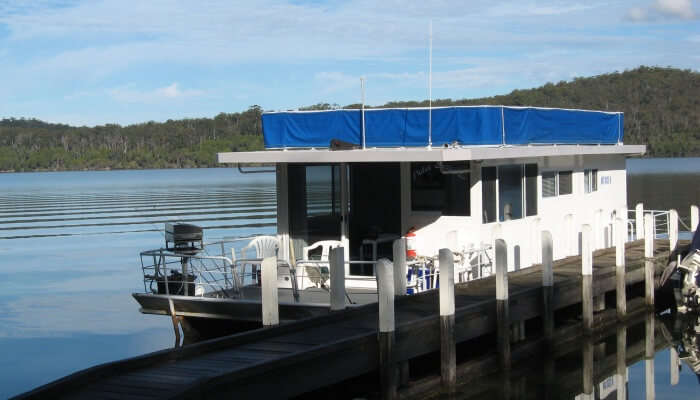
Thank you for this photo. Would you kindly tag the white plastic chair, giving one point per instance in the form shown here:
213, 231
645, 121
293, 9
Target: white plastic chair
265, 246
326, 246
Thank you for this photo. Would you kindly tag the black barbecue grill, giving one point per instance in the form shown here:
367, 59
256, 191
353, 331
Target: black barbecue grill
183, 238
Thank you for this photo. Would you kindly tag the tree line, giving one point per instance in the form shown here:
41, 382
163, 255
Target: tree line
661, 106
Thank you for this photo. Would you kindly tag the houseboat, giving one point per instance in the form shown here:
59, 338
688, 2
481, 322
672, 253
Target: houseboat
450, 177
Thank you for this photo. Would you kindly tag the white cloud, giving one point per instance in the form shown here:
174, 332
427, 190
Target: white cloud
661, 10
129, 95
675, 8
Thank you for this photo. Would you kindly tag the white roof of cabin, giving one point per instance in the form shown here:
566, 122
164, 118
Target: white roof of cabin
435, 154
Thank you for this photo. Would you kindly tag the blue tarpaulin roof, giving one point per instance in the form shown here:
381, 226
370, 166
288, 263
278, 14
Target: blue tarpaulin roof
470, 125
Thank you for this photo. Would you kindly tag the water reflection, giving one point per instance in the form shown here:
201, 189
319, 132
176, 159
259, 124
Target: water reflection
648, 357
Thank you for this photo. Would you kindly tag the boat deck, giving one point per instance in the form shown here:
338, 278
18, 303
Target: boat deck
301, 356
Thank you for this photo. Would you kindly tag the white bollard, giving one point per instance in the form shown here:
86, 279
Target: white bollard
448, 356
649, 261
648, 236
400, 266
693, 218
639, 220
502, 310
620, 287
547, 285
270, 303
387, 364
587, 278
672, 229
336, 259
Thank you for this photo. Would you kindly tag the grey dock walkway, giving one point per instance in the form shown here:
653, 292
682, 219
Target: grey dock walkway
298, 357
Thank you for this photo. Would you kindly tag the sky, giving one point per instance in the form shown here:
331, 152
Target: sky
121, 61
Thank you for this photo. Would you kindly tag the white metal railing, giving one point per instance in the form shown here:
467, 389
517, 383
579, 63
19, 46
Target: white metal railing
660, 224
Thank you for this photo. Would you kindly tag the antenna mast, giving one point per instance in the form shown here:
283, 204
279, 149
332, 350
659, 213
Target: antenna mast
430, 88
362, 86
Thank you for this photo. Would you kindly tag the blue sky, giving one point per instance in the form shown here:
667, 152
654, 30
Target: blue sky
118, 61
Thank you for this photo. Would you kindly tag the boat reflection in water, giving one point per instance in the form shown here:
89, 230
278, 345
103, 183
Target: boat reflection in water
628, 361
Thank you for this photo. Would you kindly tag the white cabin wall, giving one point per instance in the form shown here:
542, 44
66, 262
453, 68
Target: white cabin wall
525, 232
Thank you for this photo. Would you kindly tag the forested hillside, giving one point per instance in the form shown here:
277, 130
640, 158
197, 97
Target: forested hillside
661, 106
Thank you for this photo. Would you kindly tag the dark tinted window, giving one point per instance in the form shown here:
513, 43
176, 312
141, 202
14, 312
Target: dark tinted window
488, 193
530, 189
433, 190
564, 182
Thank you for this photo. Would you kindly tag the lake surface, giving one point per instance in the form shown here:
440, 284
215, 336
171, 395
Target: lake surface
69, 245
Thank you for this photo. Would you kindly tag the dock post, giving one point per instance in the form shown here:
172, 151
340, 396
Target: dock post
502, 312
587, 368
336, 260
674, 366
587, 279
400, 271
672, 230
621, 354
649, 355
639, 220
387, 362
693, 218
269, 295
620, 286
649, 260
547, 286
448, 358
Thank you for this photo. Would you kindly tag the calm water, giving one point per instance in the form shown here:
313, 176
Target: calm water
69, 244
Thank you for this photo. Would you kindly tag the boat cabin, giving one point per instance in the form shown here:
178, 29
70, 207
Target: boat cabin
454, 177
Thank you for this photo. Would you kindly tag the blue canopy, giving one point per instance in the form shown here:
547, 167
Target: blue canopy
482, 125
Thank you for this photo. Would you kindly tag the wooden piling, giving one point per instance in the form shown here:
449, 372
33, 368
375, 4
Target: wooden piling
448, 358
400, 270
672, 229
387, 363
649, 356
587, 279
587, 353
639, 221
336, 261
674, 366
694, 218
547, 286
502, 311
620, 286
621, 362
649, 261
269, 296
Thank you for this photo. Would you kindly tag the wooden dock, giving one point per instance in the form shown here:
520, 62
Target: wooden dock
298, 357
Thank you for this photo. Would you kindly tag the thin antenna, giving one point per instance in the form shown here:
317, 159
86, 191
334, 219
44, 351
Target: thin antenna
430, 88
362, 85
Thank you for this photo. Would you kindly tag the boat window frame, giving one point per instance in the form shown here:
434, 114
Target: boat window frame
525, 212
444, 211
590, 180
557, 183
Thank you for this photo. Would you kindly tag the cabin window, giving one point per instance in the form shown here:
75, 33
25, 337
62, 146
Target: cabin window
488, 192
509, 192
445, 191
314, 204
556, 183
530, 189
590, 180
565, 185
